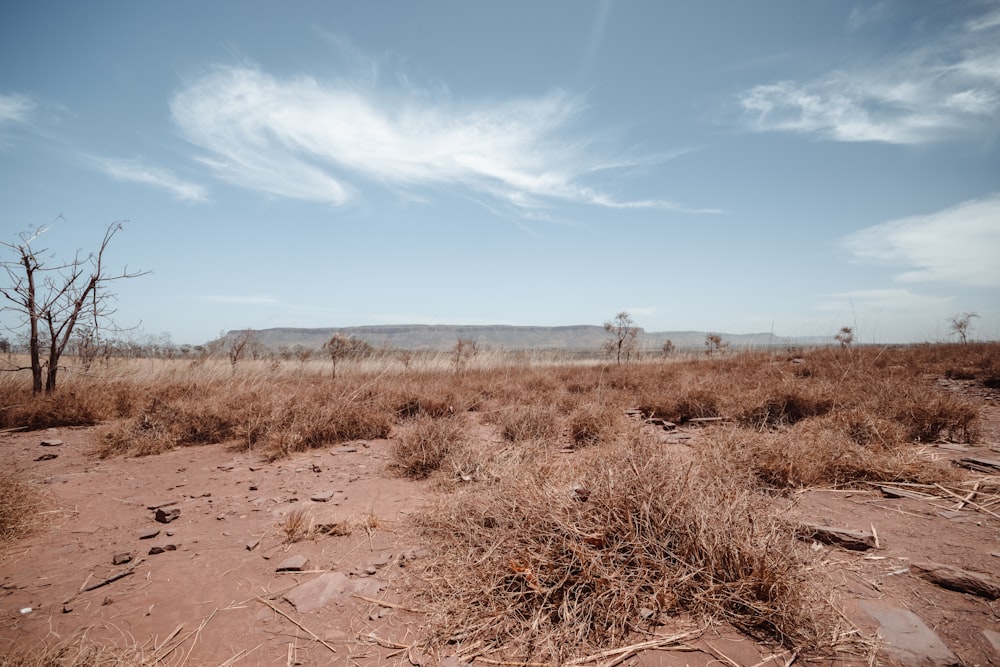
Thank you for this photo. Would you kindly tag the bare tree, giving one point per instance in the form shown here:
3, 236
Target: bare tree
51, 300
462, 352
624, 337
341, 346
961, 324
714, 343
668, 347
244, 342
845, 336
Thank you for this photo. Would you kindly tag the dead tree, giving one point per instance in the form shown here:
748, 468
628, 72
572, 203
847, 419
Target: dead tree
624, 337
52, 299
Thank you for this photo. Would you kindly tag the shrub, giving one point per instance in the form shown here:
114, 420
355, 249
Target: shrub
422, 448
594, 423
534, 422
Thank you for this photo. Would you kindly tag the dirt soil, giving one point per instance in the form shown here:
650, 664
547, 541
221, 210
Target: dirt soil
214, 595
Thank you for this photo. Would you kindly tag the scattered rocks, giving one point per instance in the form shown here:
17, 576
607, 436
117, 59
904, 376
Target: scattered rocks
293, 564
166, 515
906, 638
957, 579
159, 550
51, 442
121, 559
845, 538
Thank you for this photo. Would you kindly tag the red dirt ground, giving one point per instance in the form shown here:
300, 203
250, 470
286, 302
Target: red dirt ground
214, 600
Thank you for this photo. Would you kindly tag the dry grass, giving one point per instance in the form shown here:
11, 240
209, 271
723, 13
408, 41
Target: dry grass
297, 526
19, 503
553, 561
423, 447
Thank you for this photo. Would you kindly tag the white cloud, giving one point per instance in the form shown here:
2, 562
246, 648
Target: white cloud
305, 139
260, 299
134, 171
15, 108
949, 87
959, 245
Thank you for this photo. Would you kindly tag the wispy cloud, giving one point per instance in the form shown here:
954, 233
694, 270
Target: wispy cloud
949, 87
957, 245
302, 138
135, 171
15, 108
258, 299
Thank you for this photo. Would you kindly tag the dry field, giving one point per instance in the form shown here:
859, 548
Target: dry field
511, 509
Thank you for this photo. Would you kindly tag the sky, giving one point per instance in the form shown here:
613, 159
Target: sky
776, 166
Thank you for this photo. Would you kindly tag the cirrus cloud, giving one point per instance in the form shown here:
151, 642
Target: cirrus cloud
301, 138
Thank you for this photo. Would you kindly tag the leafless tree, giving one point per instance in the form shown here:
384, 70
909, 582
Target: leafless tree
714, 343
244, 342
624, 337
52, 299
961, 324
341, 346
845, 336
462, 351
668, 347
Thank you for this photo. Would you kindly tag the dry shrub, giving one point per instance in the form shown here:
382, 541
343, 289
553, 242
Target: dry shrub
785, 407
64, 408
934, 417
594, 423
19, 503
554, 562
521, 423
421, 449
685, 406
818, 452
297, 526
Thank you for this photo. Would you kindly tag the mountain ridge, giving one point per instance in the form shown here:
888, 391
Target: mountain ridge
441, 337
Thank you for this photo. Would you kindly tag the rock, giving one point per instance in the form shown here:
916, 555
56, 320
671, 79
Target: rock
159, 550
382, 559
994, 639
906, 638
166, 502
293, 564
323, 497
51, 442
149, 534
957, 579
47, 457
346, 449
166, 515
370, 570
854, 540
318, 592
253, 544
121, 559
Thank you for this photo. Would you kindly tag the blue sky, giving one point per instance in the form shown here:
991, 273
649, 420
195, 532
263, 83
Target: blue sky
726, 166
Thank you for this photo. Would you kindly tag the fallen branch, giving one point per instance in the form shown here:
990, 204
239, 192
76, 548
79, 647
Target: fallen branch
297, 624
387, 604
972, 504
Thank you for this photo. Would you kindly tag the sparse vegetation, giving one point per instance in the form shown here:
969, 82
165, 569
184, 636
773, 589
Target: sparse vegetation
559, 525
19, 502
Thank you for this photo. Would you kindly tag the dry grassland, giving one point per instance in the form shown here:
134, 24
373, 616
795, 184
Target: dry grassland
543, 556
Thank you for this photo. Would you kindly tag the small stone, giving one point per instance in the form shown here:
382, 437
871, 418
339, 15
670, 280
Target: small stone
323, 497
121, 559
149, 534
253, 487
316, 468
220, 517
51, 442
47, 457
166, 502
293, 564
167, 515
156, 550
854, 540
371, 569
253, 544
346, 449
